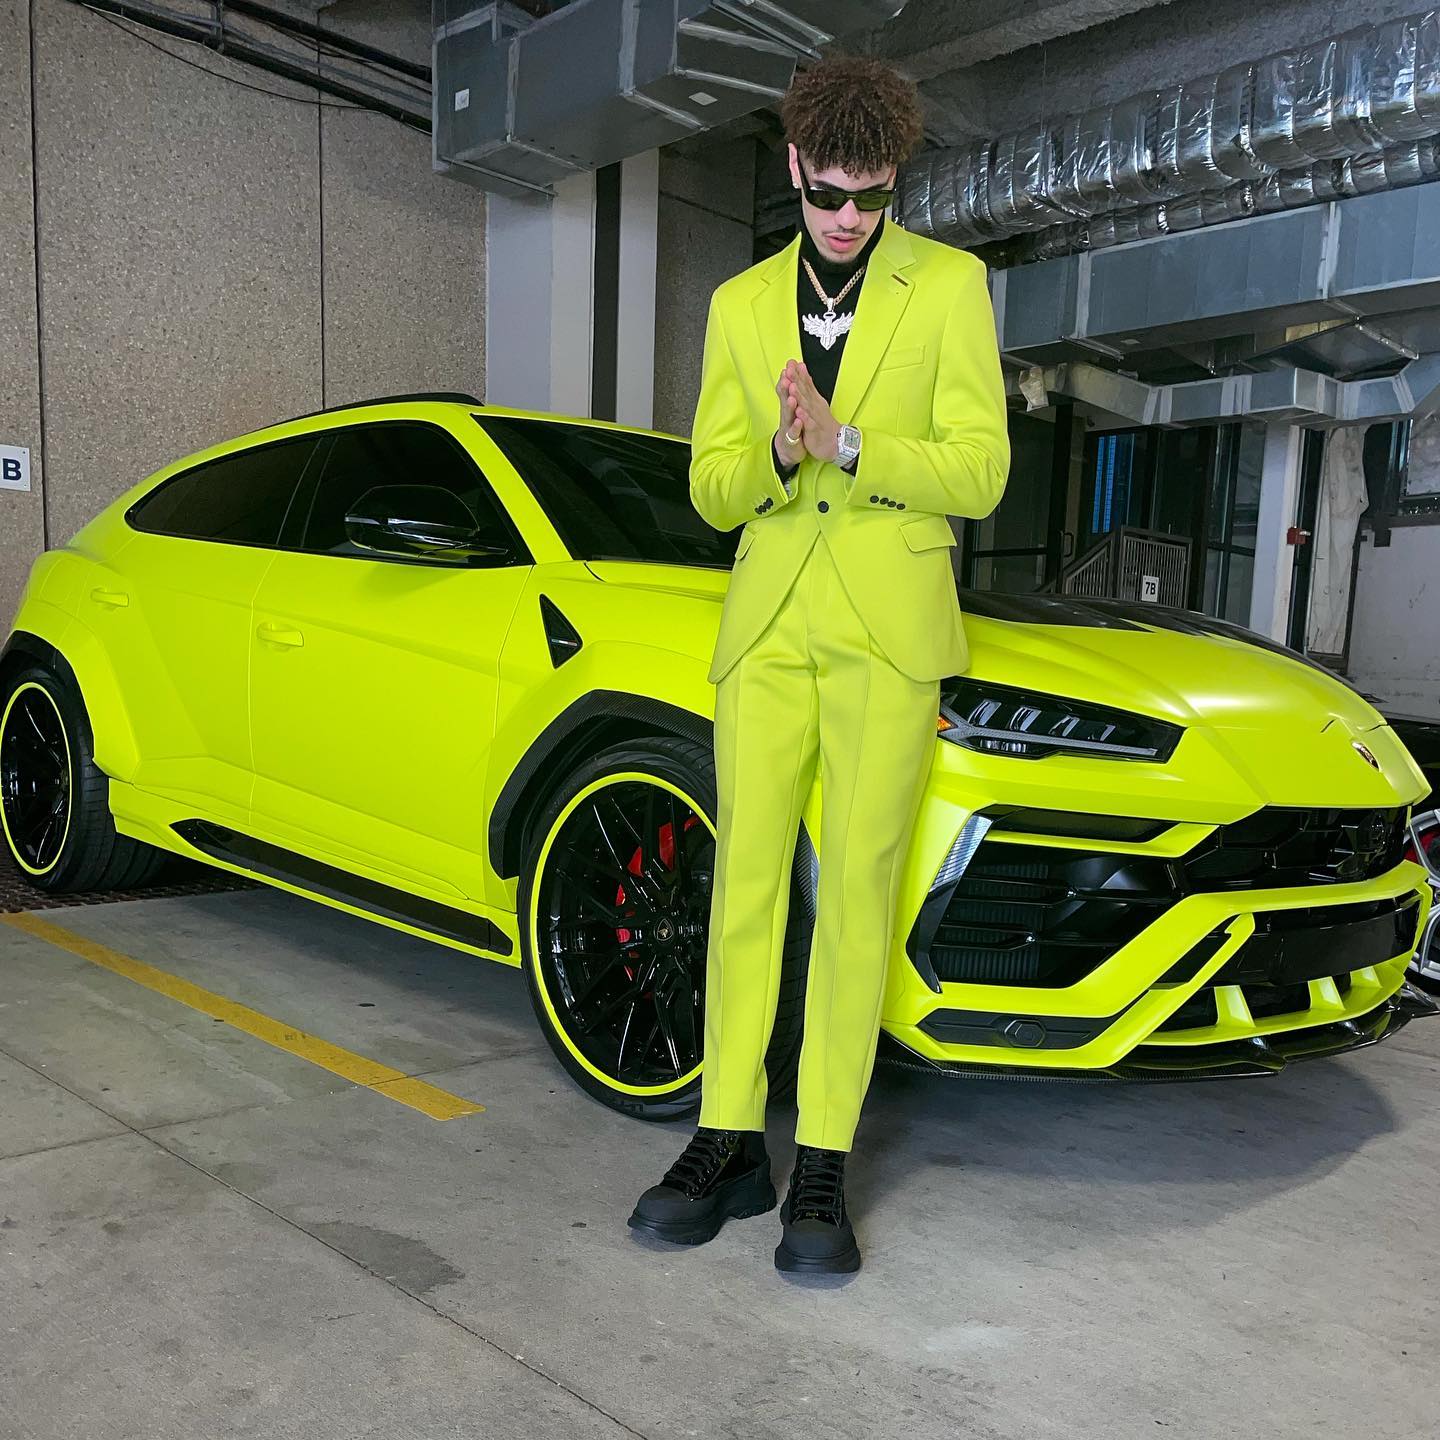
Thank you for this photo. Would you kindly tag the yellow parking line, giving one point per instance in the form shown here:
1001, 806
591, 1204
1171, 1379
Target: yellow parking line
393, 1084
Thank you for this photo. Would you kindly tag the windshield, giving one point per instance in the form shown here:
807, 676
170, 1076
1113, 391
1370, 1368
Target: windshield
612, 495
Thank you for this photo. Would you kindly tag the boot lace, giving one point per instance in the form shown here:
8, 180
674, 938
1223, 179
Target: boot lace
817, 1189
702, 1159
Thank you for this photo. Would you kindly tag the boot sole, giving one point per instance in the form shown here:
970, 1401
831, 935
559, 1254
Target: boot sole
844, 1263
749, 1195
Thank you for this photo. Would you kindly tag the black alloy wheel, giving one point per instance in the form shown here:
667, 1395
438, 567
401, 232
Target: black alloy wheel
55, 818
614, 912
35, 778
626, 901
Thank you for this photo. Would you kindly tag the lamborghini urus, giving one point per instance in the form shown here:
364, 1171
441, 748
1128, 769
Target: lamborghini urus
444, 666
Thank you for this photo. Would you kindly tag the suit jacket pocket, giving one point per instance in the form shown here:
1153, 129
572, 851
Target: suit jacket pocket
747, 538
905, 355
927, 531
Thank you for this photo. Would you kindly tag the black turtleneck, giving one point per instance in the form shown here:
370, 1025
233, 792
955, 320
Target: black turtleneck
823, 364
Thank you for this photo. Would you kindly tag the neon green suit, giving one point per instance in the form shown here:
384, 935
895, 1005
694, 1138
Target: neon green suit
840, 620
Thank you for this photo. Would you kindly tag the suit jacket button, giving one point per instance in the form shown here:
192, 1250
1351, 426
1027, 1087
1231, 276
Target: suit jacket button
823, 505
874, 499
900, 505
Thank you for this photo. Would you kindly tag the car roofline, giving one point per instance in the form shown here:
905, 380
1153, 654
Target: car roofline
427, 397
456, 400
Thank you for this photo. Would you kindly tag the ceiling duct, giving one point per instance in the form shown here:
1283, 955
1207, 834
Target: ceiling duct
516, 109
1299, 396
1352, 114
1289, 277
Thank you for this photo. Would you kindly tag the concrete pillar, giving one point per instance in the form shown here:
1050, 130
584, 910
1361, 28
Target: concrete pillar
635, 331
1274, 558
542, 326
572, 295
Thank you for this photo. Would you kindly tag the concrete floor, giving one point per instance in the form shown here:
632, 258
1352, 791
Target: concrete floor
202, 1236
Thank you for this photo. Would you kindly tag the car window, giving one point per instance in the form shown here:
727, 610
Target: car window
612, 494
238, 500
363, 457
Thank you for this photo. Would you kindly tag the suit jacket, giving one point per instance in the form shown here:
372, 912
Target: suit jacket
920, 376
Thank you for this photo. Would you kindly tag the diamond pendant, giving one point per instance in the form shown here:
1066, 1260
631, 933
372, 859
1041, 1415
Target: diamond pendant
829, 327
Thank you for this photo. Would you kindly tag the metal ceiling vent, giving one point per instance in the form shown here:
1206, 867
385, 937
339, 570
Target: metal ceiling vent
521, 103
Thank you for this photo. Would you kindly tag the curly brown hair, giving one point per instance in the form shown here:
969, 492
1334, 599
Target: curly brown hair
852, 111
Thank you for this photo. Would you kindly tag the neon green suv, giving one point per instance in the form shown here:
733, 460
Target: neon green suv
444, 666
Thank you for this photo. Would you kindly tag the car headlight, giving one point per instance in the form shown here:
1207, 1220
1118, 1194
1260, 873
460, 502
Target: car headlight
998, 720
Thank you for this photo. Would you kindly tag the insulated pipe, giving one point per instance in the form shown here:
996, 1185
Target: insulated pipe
1351, 114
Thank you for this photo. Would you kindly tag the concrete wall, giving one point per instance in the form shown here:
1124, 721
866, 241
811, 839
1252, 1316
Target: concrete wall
211, 260
1393, 650
21, 517
705, 235
404, 299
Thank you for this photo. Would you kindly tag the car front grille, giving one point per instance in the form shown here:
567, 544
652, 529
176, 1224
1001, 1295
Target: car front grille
1046, 916
1032, 915
1288, 949
1276, 847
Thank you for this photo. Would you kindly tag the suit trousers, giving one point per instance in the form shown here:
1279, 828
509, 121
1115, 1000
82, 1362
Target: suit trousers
813, 690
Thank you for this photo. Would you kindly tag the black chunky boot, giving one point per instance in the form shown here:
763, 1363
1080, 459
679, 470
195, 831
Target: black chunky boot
720, 1174
816, 1234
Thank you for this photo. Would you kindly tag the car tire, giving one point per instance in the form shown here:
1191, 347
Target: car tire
54, 800
574, 999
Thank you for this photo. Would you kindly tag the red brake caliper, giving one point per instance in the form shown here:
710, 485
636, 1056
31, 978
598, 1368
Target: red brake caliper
667, 856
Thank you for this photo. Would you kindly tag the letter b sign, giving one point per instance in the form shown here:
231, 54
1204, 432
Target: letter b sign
14, 467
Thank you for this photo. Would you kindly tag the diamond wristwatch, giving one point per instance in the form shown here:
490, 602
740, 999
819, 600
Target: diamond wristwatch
848, 444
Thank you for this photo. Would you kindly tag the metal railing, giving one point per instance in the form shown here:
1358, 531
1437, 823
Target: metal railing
1130, 564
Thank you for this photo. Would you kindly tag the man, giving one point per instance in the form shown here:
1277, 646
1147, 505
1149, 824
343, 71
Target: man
875, 351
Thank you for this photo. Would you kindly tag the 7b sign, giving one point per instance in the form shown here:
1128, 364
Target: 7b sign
14, 467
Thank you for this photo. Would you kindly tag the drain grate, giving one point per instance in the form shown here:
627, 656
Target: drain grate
179, 877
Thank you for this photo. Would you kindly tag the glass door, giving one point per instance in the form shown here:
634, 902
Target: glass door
1232, 514
1022, 543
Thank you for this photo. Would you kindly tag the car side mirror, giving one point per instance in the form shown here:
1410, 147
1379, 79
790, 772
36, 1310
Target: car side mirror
418, 522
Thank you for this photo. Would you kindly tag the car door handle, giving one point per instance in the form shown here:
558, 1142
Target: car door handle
115, 599
284, 636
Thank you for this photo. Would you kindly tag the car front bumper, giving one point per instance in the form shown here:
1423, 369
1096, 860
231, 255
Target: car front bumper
1255, 1058
1182, 950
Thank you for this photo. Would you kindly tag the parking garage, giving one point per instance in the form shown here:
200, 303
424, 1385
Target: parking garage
303, 1130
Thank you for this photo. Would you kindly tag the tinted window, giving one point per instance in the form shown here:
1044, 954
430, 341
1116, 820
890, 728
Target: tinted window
365, 456
240, 500
612, 495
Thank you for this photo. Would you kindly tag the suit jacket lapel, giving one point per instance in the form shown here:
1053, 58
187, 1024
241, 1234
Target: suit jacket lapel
884, 293
777, 321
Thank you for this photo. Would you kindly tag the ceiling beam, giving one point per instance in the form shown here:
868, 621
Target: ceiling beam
930, 38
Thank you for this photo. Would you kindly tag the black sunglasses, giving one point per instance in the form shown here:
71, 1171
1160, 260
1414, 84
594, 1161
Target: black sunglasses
828, 197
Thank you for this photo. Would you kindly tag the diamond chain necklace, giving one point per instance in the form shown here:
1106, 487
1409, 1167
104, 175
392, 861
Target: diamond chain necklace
829, 327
